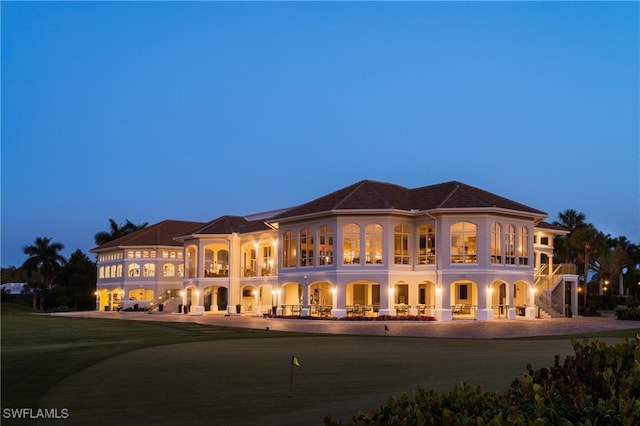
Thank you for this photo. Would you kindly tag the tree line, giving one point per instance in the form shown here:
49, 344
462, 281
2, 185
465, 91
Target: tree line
54, 281
599, 258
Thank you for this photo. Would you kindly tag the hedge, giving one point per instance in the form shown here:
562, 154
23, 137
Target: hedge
599, 385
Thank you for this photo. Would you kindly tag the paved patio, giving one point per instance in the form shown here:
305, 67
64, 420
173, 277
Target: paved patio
467, 329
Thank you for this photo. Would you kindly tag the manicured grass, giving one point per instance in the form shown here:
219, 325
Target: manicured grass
131, 372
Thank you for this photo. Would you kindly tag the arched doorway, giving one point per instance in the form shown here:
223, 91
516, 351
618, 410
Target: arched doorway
362, 298
291, 299
464, 300
320, 299
499, 299
523, 299
426, 298
214, 298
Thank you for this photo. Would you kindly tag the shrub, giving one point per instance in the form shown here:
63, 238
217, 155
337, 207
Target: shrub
599, 385
624, 312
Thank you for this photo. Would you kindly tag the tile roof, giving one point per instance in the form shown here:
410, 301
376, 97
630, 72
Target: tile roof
159, 234
552, 227
227, 225
373, 195
363, 195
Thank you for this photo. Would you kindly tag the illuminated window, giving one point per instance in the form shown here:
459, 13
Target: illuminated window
113, 271
496, 243
373, 243
165, 254
102, 272
325, 241
180, 270
427, 245
149, 270
510, 245
168, 270
401, 245
288, 249
523, 248
134, 270
306, 247
192, 263
351, 243
267, 261
119, 271
208, 262
463, 243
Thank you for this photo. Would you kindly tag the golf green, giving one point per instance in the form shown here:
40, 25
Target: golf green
252, 381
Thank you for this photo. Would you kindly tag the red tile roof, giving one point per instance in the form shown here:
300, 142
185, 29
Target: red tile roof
363, 195
159, 234
227, 225
372, 195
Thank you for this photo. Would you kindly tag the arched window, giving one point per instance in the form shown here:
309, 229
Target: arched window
306, 247
192, 262
463, 243
351, 243
325, 242
523, 248
510, 245
496, 243
401, 245
288, 249
134, 270
181, 270
373, 243
102, 272
223, 263
149, 270
427, 245
168, 270
113, 271
119, 271
209, 262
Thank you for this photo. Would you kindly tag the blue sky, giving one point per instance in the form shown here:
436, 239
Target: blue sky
152, 111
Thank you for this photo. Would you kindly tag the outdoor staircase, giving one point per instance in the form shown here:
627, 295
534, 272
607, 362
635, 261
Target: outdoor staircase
549, 299
165, 299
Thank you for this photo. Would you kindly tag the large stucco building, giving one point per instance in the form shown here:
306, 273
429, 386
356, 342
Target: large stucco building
448, 250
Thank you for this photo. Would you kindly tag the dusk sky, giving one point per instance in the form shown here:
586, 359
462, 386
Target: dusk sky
170, 110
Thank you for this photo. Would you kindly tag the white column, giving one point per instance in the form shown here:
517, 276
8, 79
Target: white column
530, 311
386, 300
485, 313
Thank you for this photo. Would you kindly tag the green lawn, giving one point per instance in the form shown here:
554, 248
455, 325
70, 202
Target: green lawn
130, 372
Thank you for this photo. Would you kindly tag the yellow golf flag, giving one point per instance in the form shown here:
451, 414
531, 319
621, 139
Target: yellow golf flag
294, 361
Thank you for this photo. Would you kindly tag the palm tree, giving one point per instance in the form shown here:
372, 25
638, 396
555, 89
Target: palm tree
572, 220
116, 231
610, 263
589, 243
45, 259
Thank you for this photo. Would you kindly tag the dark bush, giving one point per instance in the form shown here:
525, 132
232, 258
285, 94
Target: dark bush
624, 312
600, 385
